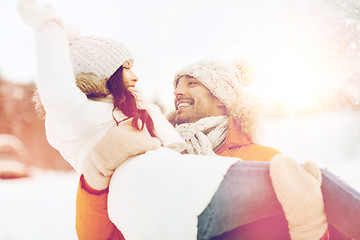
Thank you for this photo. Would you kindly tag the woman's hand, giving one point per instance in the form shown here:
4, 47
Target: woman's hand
36, 16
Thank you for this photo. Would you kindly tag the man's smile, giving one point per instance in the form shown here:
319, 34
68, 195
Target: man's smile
182, 104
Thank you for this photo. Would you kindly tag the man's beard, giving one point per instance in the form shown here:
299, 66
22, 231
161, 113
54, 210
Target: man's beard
190, 117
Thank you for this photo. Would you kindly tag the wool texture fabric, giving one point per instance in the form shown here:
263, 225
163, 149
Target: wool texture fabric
204, 136
95, 60
298, 189
223, 80
97, 55
226, 82
120, 143
36, 16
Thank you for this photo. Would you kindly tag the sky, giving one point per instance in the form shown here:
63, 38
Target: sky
283, 40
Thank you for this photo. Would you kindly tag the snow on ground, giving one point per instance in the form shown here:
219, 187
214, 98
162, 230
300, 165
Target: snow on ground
43, 207
40, 207
332, 140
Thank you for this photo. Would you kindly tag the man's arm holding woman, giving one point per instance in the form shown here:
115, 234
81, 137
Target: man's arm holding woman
92, 220
120, 143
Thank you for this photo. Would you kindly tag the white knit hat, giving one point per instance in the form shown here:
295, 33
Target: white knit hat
99, 56
95, 60
222, 79
226, 82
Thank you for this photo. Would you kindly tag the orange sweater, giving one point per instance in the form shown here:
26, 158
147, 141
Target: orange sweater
92, 221
237, 144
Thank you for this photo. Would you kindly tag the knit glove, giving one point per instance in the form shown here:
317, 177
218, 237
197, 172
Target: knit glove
114, 148
298, 189
36, 16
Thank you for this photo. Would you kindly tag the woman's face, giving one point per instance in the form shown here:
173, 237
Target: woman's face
129, 76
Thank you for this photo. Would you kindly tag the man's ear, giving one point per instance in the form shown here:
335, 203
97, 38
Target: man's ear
220, 104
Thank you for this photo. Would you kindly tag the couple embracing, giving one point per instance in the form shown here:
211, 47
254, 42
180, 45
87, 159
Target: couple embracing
199, 175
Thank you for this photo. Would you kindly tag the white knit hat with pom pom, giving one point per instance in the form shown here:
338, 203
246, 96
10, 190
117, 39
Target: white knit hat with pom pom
226, 82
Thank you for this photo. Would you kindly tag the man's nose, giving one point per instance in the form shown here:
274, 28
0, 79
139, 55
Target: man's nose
179, 91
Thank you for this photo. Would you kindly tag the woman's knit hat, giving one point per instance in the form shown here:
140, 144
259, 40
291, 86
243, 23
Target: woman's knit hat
99, 56
95, 60
226, 82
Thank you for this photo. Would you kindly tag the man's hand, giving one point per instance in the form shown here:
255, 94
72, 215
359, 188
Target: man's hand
36, 16
114, 148
298, 189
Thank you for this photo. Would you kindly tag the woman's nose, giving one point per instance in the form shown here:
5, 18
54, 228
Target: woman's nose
135, 77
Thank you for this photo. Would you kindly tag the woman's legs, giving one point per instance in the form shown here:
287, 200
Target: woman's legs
246, 198
342, 205
248, 182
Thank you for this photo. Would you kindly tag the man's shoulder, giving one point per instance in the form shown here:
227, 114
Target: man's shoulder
254, 152
263, 149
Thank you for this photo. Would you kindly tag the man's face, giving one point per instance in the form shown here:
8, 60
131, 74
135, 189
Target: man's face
194, 101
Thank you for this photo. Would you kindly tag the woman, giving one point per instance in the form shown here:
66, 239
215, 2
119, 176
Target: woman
75, 122
164, 184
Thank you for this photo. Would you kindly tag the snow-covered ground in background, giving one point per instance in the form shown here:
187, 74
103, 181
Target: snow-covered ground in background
43, 207
39, 208
332, 140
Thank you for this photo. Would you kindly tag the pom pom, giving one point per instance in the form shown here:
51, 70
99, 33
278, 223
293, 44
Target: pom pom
72, 32
247, 71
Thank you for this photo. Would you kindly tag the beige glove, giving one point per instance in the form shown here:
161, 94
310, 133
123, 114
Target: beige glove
298, 190
35, 16
114, 148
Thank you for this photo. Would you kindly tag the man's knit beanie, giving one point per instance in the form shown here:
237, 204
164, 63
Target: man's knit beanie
226, 82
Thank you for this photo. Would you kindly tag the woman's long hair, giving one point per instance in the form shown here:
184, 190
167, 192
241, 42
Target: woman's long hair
125, 101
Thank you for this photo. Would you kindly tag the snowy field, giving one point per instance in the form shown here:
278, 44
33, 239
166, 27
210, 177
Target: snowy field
43, 207
38, 208
332, 140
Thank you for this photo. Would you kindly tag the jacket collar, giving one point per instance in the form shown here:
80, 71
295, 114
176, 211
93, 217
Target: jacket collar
235, 137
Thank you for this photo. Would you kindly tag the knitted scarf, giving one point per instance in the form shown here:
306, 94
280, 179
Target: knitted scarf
205, 136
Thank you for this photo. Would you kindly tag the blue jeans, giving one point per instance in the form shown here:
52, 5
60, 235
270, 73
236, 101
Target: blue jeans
245, 207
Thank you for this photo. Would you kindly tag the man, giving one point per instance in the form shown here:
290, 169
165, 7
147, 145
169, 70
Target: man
213, 115
198, 90
213, 88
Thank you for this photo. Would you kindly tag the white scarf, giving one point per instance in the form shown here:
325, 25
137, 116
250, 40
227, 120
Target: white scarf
204, 136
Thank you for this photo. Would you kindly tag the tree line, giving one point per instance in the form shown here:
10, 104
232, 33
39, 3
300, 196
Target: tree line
19, 118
